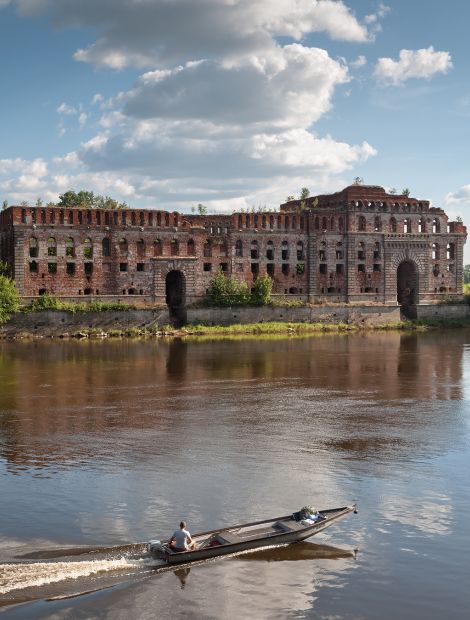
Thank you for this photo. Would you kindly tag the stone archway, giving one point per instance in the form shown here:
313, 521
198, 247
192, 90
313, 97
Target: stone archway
175, 291
407, 284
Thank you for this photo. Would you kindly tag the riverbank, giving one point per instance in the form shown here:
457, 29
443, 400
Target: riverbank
213, 322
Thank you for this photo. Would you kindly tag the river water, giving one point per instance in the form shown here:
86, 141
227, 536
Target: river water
104, 445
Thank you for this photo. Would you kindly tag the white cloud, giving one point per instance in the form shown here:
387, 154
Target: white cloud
98, 98
159, 33
290, 87
421, 64
82, 119
66, 109
459, 197
360, 61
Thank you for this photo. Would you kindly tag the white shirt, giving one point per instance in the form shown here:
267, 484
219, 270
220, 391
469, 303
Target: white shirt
181, 536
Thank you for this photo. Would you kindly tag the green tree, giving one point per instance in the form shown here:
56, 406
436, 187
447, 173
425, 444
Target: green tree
39, 203
304, 193
261, 293
5, 205
405, 192
228, 291
466, 274
201, 209
358, 180
289, 198
9, 298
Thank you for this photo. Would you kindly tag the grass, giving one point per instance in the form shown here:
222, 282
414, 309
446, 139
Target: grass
48, 302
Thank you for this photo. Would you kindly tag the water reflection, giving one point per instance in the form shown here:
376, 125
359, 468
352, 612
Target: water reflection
54, 393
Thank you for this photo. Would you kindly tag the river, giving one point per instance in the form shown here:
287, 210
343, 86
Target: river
104, 445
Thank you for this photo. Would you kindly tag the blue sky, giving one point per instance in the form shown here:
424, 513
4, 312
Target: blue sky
233, 103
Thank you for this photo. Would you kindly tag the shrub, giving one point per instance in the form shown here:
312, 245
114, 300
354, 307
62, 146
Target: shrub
228, 291
9, 298
261, 293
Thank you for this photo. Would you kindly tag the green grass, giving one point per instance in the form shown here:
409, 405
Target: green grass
48, 302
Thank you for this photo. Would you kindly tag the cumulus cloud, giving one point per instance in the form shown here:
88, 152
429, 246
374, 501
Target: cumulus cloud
161, 33
420, 64
224, 114
360, 61
291, 87
459, 197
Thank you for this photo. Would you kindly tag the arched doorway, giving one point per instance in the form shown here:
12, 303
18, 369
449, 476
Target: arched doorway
407, 284
175, 290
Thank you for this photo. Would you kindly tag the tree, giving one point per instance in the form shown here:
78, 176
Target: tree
466, 274
9, 298
5, 205
87, 200
459, 219
304, 193
201, 209
261, 293
228, 291
358, 180
39, 203
392, 190
405, 192
289, 198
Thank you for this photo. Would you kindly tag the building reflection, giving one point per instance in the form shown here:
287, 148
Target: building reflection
354, 394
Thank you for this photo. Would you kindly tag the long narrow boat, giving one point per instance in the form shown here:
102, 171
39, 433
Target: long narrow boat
278, 531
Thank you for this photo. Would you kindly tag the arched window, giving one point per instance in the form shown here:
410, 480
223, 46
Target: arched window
255, 221
223, 249
361, 223
247, 221
106, 246
436, 226
377, 224
279, 222
33, 247
87, 248
322, 252
393, 225
286, 222
317, 223
450, 251
69, 247
174, 247
285, 250
300, 250
270, 250
167, 219
361, 251
142, 218
190, 250
421, 225
207, 248
51, 247
339, 251
254, 251
377, 250
435, 251
240, 222
406, 226
123, 247
159, 219
294, 222
271, 222
157, 247
140, 247
324, 224
133, 218
340, 224
332, 223
239, 247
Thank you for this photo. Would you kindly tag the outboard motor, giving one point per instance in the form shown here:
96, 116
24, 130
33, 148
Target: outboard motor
155, 548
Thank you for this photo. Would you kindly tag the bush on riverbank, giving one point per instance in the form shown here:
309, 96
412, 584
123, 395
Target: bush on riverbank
9, 298
49, 302
224, 292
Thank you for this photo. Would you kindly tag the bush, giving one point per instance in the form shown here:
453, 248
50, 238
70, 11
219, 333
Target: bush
261, 293
228, 291
9, 298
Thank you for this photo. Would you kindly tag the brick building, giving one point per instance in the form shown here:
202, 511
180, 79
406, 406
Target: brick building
357, 245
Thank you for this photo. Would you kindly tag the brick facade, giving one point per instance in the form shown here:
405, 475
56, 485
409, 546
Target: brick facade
357, 245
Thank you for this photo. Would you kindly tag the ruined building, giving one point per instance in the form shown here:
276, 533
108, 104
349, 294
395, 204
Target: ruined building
357, 245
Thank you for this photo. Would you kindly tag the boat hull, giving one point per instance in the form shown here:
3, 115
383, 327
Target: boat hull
273, 539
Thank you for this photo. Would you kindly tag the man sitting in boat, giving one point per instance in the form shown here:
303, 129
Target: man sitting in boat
181, 539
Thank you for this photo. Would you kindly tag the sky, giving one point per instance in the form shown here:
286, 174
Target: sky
234, 103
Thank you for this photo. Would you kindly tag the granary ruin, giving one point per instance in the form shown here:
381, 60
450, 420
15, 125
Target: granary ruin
359, 245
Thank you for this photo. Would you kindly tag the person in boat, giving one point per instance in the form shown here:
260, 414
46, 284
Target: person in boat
181, 539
